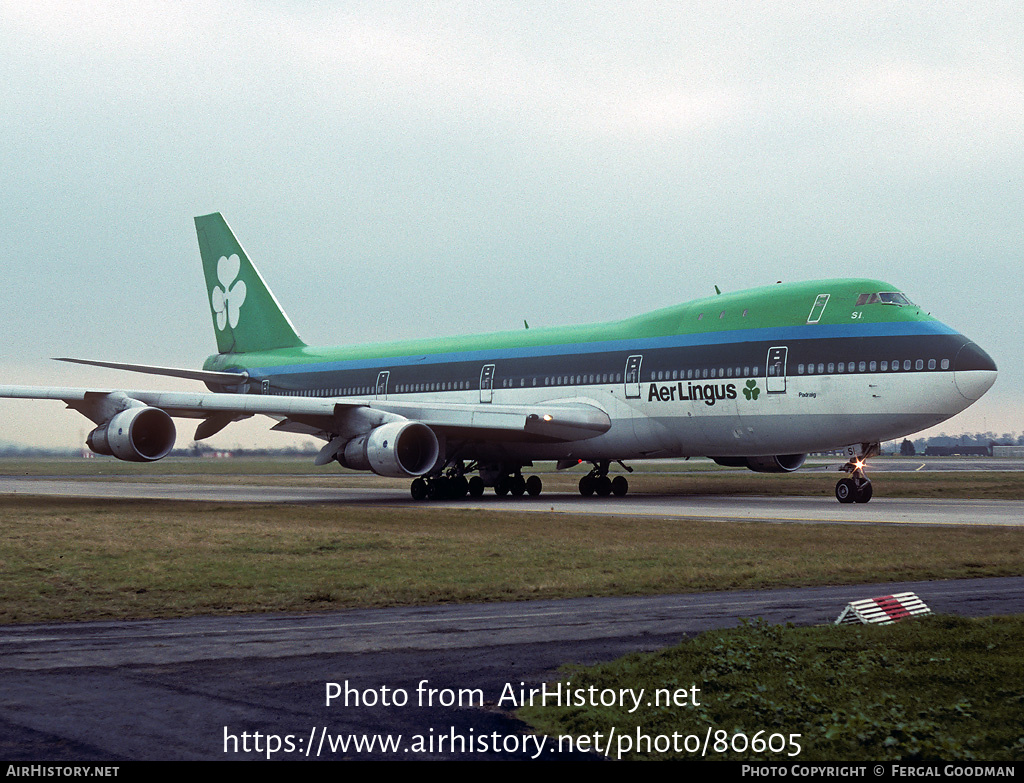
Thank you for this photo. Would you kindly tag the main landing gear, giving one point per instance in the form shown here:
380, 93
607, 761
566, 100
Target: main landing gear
856, 488
507, 479
596, 482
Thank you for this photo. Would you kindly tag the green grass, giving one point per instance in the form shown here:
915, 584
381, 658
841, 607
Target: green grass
938, 688
71, 559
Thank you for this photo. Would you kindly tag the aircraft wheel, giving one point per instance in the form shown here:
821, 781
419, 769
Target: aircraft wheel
587, 486
533, 486
438, 489
501, 488
518, 486
864, 493
476, 486
460, 487
418, 490
846, 490
604, 487
620, 486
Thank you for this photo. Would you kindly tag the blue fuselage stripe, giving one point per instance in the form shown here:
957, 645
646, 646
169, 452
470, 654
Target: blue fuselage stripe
781, 334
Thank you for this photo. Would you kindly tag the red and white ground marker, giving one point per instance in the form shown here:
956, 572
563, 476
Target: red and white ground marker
883, 610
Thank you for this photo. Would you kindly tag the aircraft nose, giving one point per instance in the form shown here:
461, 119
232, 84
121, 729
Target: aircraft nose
974, 372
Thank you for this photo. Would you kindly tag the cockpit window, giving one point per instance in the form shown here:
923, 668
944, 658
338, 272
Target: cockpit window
894, 298
891, 297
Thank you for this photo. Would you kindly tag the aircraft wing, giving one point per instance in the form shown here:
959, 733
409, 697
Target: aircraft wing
326, 417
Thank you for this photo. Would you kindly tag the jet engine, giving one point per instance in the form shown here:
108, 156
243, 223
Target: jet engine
780, 463
398, 449
140, 434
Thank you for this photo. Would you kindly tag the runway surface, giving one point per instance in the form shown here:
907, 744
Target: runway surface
188, 688
880, 510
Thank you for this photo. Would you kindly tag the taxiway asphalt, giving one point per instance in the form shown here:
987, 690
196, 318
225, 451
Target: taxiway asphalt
189, 688
880, 510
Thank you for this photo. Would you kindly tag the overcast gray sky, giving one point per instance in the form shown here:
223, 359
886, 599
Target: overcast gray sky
402, 170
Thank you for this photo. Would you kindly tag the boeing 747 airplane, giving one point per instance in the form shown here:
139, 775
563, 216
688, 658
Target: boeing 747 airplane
754, 378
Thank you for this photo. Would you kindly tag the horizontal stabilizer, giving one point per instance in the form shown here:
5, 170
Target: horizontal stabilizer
206, 376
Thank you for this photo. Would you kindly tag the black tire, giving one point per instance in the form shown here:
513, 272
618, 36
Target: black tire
501, 488
438, 489
534, 486
518, 486
476, 487
604, 487
460, 487
620, 486
418, 490
846, 490
587, 486
864, 493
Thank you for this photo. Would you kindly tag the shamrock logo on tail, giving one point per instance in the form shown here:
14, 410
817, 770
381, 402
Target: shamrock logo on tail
227, 299
751, 391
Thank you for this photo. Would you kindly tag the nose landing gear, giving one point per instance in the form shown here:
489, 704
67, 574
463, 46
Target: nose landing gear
856, 488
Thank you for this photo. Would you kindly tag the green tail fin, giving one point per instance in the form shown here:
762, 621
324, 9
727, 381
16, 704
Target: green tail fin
246, 315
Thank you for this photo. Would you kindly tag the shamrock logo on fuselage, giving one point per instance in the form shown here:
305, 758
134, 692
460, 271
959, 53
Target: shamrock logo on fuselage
751, 391
226, 298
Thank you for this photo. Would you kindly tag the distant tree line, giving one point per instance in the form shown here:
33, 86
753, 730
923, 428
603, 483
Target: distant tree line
965, 443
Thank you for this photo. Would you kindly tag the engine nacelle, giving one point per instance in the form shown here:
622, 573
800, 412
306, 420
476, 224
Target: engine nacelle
140, 434
731, 462
780, 463
399, 449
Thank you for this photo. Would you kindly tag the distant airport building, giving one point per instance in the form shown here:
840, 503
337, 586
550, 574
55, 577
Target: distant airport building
1016, 452
958, 451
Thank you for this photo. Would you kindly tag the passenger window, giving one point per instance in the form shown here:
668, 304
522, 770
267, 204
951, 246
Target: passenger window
906, 364
831, 367
945, 364
872, 366
931, 364
919, 364
885, 366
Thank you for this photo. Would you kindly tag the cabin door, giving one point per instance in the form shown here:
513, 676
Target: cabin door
632, 376
382, 384
487, 383
775, 372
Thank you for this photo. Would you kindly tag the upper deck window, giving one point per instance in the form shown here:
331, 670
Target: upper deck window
890, 297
